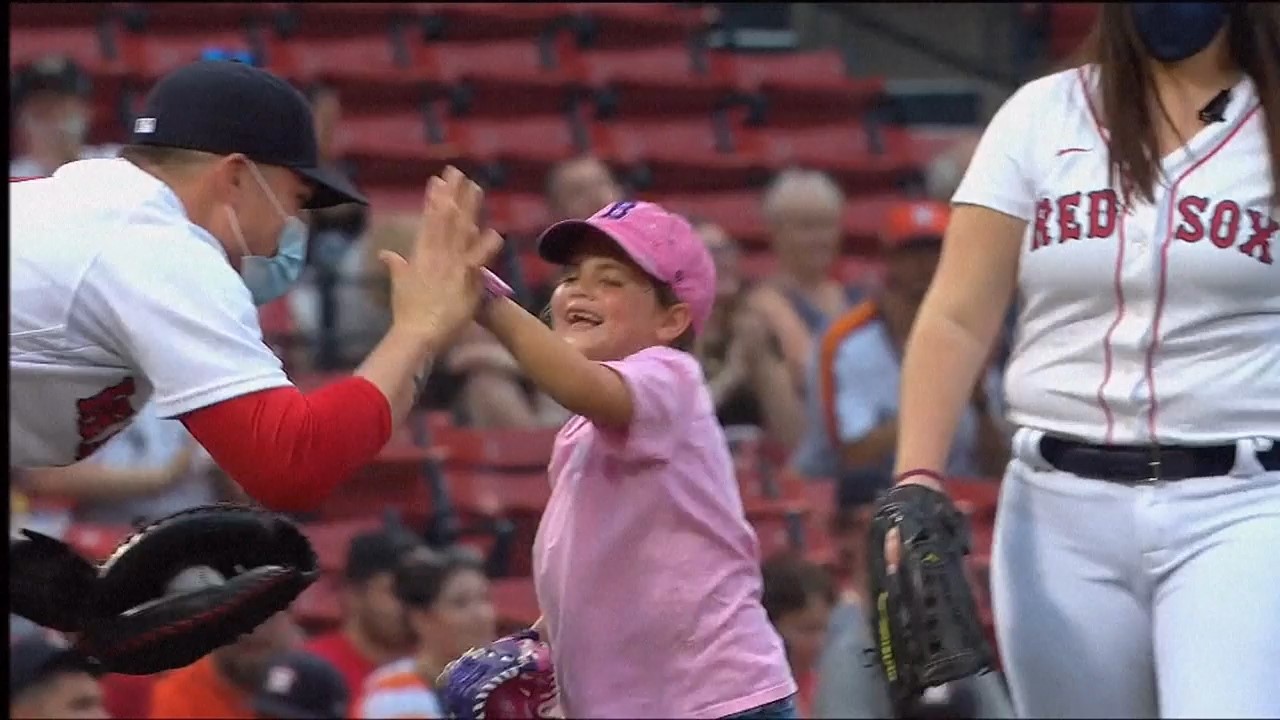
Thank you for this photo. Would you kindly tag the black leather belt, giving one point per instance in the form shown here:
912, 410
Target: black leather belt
1143, 463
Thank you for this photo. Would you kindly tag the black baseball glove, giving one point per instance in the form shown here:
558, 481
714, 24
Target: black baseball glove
923, 618
172, 592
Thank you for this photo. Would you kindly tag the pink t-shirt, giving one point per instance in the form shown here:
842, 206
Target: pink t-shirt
647, 571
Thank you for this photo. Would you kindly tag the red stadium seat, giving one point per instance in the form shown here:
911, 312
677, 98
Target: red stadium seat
394, 480
393, 150
189, 17
525, 146
638, 24
504, 449
977, 498
842, 149
502, 79
516, 601
148, 57
489, 494
319, 607
522, 215
485, 21
53, 15
336, 19
362, 67
537, 272
81, 44
332, 538
652, 81
681, 154
1069, 24
395, 199
800, 87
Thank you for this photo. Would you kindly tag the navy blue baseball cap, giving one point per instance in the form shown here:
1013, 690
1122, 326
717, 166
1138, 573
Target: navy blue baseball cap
224, 107
299, 684
36, 657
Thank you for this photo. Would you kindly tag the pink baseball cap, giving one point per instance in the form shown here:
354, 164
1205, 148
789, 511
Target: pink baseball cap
662, 243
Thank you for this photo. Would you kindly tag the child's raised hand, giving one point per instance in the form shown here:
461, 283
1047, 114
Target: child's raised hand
435, 291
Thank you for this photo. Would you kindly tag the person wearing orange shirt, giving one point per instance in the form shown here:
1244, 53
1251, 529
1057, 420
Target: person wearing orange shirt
223, 683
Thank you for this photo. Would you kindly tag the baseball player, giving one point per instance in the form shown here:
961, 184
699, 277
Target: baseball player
136, 278
1132, 203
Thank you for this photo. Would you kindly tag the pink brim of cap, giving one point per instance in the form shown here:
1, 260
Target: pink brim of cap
556, 243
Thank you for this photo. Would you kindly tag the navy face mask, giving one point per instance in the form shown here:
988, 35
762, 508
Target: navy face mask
1174, 31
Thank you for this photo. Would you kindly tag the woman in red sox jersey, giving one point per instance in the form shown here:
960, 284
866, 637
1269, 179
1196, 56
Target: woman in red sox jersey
1132, 204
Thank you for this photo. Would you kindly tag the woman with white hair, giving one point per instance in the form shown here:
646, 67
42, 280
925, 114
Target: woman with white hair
803, 209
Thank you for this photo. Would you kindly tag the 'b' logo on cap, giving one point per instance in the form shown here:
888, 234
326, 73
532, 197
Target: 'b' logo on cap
618, 210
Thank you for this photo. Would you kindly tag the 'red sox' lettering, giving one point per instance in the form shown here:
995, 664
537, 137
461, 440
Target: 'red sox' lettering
101, 416
1095, 215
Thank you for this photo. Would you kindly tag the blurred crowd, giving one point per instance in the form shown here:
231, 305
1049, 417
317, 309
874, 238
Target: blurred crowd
797, 360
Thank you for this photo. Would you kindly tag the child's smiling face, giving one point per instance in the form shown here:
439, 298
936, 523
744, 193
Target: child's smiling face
607, 307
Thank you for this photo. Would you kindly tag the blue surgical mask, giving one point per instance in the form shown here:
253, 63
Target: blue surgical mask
1174, 31
269, 278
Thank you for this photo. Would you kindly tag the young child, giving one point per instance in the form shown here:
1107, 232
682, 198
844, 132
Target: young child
647, 572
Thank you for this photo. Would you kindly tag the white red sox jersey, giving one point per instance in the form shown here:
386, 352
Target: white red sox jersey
116, 297
1159, 322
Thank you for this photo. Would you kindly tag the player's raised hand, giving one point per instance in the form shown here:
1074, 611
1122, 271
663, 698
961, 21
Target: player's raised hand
435, 291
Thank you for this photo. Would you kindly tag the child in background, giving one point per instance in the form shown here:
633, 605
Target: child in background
646, 569
448, 608
799, 597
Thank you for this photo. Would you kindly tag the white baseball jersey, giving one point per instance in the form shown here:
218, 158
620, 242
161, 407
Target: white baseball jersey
1156, 324
116, 297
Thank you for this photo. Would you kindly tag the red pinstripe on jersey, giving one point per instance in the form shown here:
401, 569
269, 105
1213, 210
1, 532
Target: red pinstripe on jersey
1164, 265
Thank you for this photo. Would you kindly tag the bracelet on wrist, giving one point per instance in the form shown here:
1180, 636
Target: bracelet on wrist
919, 472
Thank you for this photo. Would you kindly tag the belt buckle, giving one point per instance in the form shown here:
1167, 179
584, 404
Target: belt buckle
1155, 465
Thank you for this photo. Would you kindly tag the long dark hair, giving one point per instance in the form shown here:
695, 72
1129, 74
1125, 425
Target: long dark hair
1253, 37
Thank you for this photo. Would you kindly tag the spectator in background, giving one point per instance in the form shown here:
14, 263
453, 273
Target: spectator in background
301, 685
446, 597
848, 685
314, 303
742, 360
578, 187
53, 115
46, 680
223, 683
803, 210
494, 392
798, 597
373, 630
364, 289
151, 469
943, 173
853, 396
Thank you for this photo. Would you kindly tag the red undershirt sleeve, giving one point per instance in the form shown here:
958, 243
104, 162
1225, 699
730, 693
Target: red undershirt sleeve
289, 450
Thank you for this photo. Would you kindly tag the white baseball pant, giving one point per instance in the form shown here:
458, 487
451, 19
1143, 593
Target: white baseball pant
1151, 600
